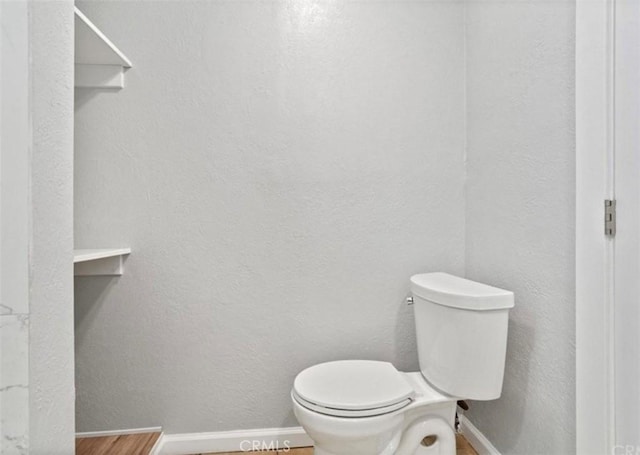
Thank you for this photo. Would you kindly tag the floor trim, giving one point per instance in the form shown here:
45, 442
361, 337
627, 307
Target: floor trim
231, 441
97, 434
477, 440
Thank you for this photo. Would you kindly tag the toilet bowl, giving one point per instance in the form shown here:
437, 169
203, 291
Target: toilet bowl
366, 428
367, 407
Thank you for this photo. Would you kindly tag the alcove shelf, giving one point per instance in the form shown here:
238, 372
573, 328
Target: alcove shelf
99, 262
98, 62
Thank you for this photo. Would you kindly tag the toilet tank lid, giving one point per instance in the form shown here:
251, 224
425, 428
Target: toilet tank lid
452, 291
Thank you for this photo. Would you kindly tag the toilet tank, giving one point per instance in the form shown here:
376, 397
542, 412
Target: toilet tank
461, 329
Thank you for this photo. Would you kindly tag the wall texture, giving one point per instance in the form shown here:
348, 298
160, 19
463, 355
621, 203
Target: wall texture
280, 169
15, 139
51, 367
520, 210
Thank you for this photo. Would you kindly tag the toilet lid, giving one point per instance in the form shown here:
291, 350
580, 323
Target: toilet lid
352, 388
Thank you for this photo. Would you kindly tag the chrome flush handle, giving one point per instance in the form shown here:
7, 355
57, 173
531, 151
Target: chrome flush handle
409, 300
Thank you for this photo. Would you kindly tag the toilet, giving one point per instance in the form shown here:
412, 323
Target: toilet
367, 407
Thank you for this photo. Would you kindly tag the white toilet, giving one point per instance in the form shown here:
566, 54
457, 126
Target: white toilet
366, 407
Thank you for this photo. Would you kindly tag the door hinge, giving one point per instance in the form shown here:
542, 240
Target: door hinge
610, 217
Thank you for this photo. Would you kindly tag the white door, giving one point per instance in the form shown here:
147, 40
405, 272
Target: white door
626, 262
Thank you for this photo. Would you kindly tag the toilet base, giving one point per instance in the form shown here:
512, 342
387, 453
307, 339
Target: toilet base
402, 434
445, 443
318, 451
397, 433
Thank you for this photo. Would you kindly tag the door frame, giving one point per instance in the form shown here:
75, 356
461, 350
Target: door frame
595, 153
627, 241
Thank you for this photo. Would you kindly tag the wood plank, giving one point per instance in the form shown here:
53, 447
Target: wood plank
95, 446
129, 444
463, 447
133, 444
153, 437
298, 451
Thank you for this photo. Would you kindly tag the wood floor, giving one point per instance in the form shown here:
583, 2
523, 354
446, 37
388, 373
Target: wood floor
141, 444
129, 444
463, 447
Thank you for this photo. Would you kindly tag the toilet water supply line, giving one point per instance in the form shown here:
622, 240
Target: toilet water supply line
430, 426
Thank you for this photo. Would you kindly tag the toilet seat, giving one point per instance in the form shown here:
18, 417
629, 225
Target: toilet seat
352, 388
350, 413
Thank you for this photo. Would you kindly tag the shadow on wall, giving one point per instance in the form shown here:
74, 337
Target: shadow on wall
405, 338
290, 420
91, 291
514, 390
83, 95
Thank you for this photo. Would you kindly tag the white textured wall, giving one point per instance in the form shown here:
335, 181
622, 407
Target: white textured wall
280, 169
15, 139
51, 367
520, 210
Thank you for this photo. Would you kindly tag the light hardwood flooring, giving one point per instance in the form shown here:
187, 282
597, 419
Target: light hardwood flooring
141, 444
129, 444
463, 447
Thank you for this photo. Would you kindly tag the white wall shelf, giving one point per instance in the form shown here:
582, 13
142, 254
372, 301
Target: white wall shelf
99, 262
98, 62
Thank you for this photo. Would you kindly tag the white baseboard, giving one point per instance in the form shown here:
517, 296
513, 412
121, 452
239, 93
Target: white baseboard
477, 440
231, 441
96, 434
